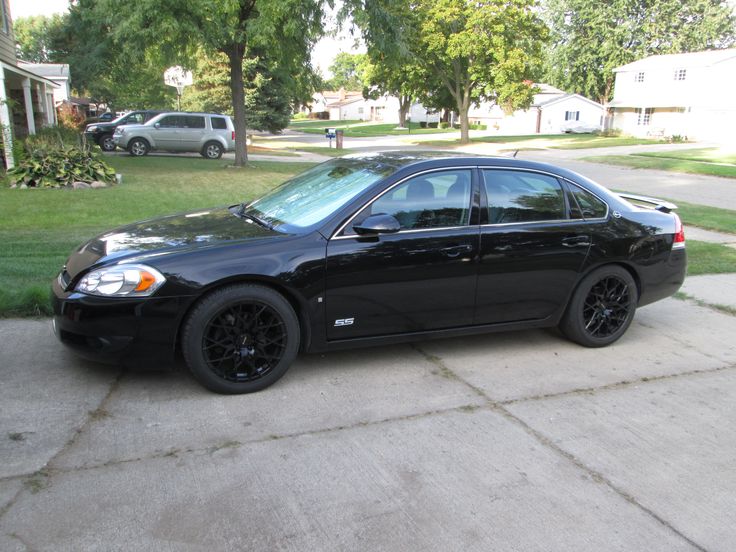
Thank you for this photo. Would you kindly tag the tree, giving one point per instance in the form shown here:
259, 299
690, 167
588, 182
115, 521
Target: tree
591, 38
348, 71
176, 29
35, 37
478, 50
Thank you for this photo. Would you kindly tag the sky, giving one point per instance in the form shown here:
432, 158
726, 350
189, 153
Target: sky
322, 55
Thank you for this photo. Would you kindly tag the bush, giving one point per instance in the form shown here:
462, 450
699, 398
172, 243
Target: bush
299, 116
70, 118
58, 165
676, 139
422, 124
478, 127
321, 115
609, 132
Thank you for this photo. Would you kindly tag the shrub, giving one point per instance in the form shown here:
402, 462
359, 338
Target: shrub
55, 166
299, 116
321, 115
422, 124
676, 138
609, 132
478, 126
70, 118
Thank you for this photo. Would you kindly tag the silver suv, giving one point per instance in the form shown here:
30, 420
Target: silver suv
209, 134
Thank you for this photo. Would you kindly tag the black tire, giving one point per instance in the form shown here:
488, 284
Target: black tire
601, 308
106, 143
138, 147
212, 150
240, 339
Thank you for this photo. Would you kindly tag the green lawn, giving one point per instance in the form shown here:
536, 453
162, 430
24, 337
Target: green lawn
711, 218
708, 155
640, 161
39, 228
709, 258
360, 129
556, 141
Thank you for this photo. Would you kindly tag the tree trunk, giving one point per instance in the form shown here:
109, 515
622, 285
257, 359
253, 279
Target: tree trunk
463, 107
237, 93
404, 105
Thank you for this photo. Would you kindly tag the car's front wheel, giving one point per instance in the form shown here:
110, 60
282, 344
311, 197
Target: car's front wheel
240, 338
212, 150
107, 143
138, 147
601, 308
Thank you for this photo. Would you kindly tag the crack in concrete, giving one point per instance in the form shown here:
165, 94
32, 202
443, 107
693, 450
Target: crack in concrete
547, 442
613, 386
46, 471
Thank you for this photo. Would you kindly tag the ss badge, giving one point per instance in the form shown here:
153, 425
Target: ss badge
344, 321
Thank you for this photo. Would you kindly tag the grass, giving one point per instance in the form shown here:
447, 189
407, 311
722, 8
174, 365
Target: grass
709, 258
556, 141
688, 166
710, 218
39, 228
360, 129
330, 152
708, 155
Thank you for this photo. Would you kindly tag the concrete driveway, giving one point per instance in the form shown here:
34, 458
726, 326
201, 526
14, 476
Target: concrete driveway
518, 441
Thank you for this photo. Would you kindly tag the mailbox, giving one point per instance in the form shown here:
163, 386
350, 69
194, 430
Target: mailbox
330, 133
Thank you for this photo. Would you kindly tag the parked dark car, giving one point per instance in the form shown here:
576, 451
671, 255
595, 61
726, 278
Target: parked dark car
101, 132
106, 117
367, 250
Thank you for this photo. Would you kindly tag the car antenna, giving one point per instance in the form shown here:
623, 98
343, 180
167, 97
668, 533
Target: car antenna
515, 152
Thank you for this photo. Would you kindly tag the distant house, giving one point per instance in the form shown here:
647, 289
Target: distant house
552, 111
26, 98
55, 72
678, 94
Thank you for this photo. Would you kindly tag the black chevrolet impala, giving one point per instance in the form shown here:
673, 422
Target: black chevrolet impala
365, 250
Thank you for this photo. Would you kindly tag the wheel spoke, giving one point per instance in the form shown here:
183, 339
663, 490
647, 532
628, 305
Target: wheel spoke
606, 307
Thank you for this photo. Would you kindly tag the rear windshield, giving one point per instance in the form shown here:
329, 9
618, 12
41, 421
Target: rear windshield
219, 123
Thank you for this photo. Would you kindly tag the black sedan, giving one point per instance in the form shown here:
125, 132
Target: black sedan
366, 250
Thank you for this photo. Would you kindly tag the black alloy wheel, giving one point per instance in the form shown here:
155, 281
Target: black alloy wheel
601, 308
241, 339
107, 143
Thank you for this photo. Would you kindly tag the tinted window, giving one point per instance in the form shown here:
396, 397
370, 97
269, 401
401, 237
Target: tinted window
134, 119
171, 121
519, 196
590, 206
218, 123
432, 200
193, 121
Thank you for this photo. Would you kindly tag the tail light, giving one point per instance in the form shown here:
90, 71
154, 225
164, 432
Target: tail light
679, 241
233, 135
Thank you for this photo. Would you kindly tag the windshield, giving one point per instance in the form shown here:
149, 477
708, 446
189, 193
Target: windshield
312, 196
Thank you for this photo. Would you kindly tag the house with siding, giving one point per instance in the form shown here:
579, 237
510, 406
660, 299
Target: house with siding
688, 95
26, 99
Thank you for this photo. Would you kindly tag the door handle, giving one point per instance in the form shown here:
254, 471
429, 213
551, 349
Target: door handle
576, 241
456, 250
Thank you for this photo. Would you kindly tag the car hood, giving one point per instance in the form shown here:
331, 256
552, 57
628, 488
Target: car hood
167, 235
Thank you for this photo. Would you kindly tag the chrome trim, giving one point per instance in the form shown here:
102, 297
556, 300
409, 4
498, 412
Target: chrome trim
413, 231
347, 222
534, 222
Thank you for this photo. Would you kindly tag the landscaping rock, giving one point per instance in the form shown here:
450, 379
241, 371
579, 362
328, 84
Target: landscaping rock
80, 185
118, 178
23, 186
98, 184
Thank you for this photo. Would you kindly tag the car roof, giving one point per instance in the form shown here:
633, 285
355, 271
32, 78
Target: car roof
192, 113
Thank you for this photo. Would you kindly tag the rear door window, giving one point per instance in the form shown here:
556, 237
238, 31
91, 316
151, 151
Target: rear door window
590, 206
193, 121
218, 123
522, 196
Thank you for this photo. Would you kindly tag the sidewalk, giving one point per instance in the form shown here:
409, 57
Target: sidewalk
717, 290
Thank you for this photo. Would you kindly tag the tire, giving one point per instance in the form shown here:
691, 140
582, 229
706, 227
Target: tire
212, 150
240, 339
138, 147
602, 307
106, 143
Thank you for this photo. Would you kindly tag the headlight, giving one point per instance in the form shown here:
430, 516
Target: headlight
92, 128
131, 280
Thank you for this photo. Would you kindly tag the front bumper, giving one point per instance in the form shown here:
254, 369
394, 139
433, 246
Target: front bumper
136, 332
120, 140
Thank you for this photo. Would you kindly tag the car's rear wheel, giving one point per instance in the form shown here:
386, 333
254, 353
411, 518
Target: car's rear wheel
240, 339
212, 150
106, 143
601, 308
138, 147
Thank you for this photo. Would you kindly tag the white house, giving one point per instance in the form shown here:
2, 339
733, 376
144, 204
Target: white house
57, 73
677, 94
552, 111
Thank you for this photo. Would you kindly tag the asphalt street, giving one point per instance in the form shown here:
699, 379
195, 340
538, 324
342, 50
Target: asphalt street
516, 441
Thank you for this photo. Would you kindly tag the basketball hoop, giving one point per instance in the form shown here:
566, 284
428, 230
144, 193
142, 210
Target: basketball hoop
177, 77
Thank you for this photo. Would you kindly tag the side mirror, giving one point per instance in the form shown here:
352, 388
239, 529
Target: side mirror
157, 125
377, 224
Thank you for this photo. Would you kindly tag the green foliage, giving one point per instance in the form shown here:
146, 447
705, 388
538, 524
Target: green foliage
592, 38
48, 164
444, 124
348, 72
37, 37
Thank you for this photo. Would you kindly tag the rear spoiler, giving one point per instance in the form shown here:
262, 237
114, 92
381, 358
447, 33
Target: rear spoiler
658, 204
